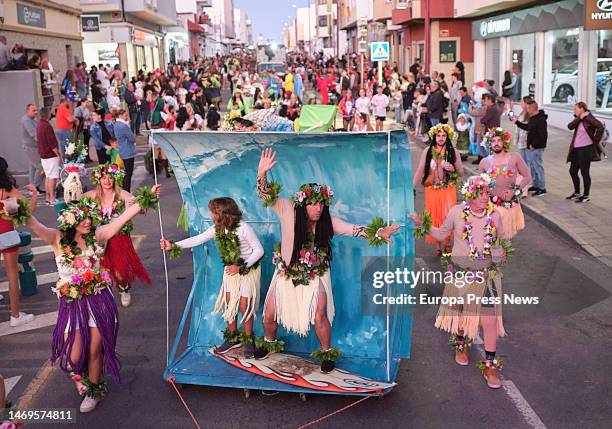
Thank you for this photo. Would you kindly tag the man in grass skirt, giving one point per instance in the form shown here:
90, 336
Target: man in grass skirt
473, 292
300, 294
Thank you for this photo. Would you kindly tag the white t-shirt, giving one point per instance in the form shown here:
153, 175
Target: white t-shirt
379, 104
362, 104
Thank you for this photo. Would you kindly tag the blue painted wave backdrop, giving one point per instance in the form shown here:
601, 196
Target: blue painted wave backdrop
358, 167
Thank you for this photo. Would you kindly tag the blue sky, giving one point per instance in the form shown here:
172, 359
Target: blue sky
268, 16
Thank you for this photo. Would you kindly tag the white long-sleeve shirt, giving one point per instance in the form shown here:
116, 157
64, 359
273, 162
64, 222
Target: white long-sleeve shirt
251, 249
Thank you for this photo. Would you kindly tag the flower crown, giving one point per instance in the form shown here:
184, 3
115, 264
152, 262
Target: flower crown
112, 170
476, 184
487, 139
77, 212
450, 132
312, 193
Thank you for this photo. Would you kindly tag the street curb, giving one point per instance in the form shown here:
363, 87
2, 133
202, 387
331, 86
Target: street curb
556, 226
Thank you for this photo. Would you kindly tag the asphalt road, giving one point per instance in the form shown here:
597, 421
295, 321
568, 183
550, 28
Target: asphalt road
555, 372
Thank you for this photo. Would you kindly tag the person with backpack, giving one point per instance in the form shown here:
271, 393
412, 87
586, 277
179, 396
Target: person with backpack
584, 148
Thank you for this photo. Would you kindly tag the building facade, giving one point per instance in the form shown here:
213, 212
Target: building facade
50, 29
560, 52
128, 32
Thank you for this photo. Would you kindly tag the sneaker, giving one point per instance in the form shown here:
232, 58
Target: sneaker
249, 349
327, 366
583, 199
261, 353
126, 299
539, 193
226, 347
88, 404
532, 188
573, 196
21, 320
41, 191
490, 375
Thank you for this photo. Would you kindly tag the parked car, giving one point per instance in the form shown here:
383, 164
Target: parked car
565, 80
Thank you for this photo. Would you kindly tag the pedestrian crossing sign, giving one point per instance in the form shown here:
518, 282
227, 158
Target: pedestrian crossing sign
379, 51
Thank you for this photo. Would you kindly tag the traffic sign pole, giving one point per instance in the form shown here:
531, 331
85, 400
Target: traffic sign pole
380, 74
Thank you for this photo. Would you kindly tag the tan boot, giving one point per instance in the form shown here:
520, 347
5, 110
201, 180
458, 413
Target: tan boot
490, 375
462, 356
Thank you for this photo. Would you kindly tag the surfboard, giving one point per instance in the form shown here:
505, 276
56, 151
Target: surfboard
297, 371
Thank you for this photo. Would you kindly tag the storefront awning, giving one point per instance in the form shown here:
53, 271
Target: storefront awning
193, 27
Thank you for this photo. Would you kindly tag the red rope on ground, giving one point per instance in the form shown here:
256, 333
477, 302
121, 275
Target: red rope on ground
338, 411
171, 381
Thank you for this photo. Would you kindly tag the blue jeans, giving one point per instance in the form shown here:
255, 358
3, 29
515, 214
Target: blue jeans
482, 151
434, 121
62, 139
398, 115
536, 166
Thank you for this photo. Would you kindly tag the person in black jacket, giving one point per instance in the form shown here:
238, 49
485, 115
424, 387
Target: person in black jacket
537, 136
133, 104
435, 104
588, 132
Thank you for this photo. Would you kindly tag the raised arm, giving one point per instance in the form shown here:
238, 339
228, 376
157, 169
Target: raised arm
268, 192
106, 232
48, 235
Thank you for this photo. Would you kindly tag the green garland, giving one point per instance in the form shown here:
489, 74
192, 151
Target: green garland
22, 215
94, 390
275, 346
423, 230
245, 339
506, 245
332, 354
273, 193
175, 251
372, 231
231, 337
496, 363
146, 199
455, 344
182, 221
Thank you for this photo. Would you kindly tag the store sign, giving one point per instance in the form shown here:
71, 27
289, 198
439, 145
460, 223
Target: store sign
31, 16
444, 33
598, 15
90, 23
494, 27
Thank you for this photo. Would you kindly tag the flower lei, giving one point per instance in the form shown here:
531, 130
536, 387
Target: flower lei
109, 213
312, 262
313, 193
74, 213
450, 132
112, 170
451, 178
228, 245
487, 139
489, 230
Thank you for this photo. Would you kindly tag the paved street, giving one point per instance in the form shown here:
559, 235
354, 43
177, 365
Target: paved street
549, 356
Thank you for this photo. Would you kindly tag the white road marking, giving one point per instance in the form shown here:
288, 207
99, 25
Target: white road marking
41, 321
39, 250
10, 383
41, 279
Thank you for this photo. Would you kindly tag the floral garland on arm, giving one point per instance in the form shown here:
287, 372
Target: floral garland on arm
146, 199
371, 232
268, 191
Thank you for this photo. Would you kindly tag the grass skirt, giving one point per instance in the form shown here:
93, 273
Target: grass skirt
466, 317
234, 284
512, 220
74, 315
122, 261
296, 306
438, 203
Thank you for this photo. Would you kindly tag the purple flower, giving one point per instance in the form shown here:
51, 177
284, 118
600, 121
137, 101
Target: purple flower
76, 278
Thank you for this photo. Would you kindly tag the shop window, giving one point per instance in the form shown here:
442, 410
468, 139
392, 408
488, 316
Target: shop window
448, 51
523, 65
603, 78
561, 67
323, 21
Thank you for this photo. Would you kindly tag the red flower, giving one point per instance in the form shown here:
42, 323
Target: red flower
324, 191
312, 274
507, 136
308, 192
313, 259
88, 276
302, 253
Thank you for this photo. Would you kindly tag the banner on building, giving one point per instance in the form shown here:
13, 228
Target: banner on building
598, 15
90, 23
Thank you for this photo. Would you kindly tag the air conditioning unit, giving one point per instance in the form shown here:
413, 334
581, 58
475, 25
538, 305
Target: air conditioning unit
403, 4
